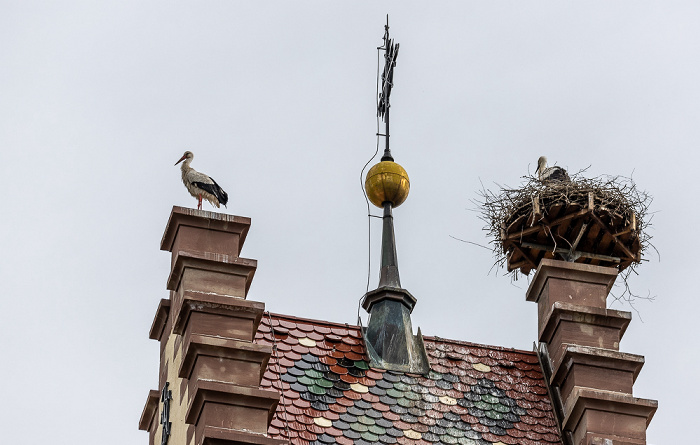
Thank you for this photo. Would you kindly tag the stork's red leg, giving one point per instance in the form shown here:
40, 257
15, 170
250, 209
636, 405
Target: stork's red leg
199, 205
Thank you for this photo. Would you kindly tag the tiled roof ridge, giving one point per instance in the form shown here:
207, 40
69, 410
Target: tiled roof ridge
434, 338
477, 345
310, 320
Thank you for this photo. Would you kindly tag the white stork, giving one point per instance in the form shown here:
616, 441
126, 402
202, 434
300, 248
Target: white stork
554, 173
200, 185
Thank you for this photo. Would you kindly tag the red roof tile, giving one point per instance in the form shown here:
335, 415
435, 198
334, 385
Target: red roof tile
474, 394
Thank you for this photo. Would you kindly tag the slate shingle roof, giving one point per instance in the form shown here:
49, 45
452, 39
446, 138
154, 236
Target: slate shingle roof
473, 395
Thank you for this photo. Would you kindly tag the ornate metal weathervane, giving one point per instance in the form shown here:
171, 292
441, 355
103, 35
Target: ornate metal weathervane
391, 52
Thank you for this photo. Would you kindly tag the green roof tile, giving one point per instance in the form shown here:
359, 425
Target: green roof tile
483, 405
312, 373
317, 389
366, 420
323, 383
495, 415
394, 393
361, 365
447, 439
432, 375
455, 432
369, 437
304, 380
360, 428
412, 396
406, 403
501, 408
378, 430
488, 398
400, 386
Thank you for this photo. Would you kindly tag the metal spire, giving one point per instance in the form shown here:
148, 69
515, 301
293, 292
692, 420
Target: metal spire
389, 271
389, 335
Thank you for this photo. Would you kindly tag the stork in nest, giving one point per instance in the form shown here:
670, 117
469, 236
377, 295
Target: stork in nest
547, 174
200, 185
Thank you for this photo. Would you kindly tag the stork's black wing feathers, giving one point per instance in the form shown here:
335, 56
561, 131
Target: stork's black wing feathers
555, 174
558, 174
214, 189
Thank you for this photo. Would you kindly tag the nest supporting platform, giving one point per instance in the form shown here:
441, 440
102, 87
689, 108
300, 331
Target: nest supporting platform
581, 230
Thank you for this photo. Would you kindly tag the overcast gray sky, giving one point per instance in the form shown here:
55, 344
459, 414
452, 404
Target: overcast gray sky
277, 102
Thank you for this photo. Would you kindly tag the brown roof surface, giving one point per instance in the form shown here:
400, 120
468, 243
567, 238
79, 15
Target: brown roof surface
474, 394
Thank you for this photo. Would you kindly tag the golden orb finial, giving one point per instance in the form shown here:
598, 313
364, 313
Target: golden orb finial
387, 181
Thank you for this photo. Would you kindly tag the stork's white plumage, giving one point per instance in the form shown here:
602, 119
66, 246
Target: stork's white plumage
554, 173
200, 185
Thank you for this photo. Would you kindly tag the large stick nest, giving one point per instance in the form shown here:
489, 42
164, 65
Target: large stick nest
601, 221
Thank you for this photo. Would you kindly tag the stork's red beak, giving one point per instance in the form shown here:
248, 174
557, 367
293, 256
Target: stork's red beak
181, 159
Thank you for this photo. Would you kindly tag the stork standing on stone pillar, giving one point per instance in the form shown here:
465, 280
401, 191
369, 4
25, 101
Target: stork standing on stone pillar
200, 185
554, 173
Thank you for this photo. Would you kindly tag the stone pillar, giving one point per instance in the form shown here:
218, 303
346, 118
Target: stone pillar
588, 372
206, 330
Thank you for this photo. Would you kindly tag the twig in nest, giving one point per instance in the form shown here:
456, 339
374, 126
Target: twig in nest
470, 242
